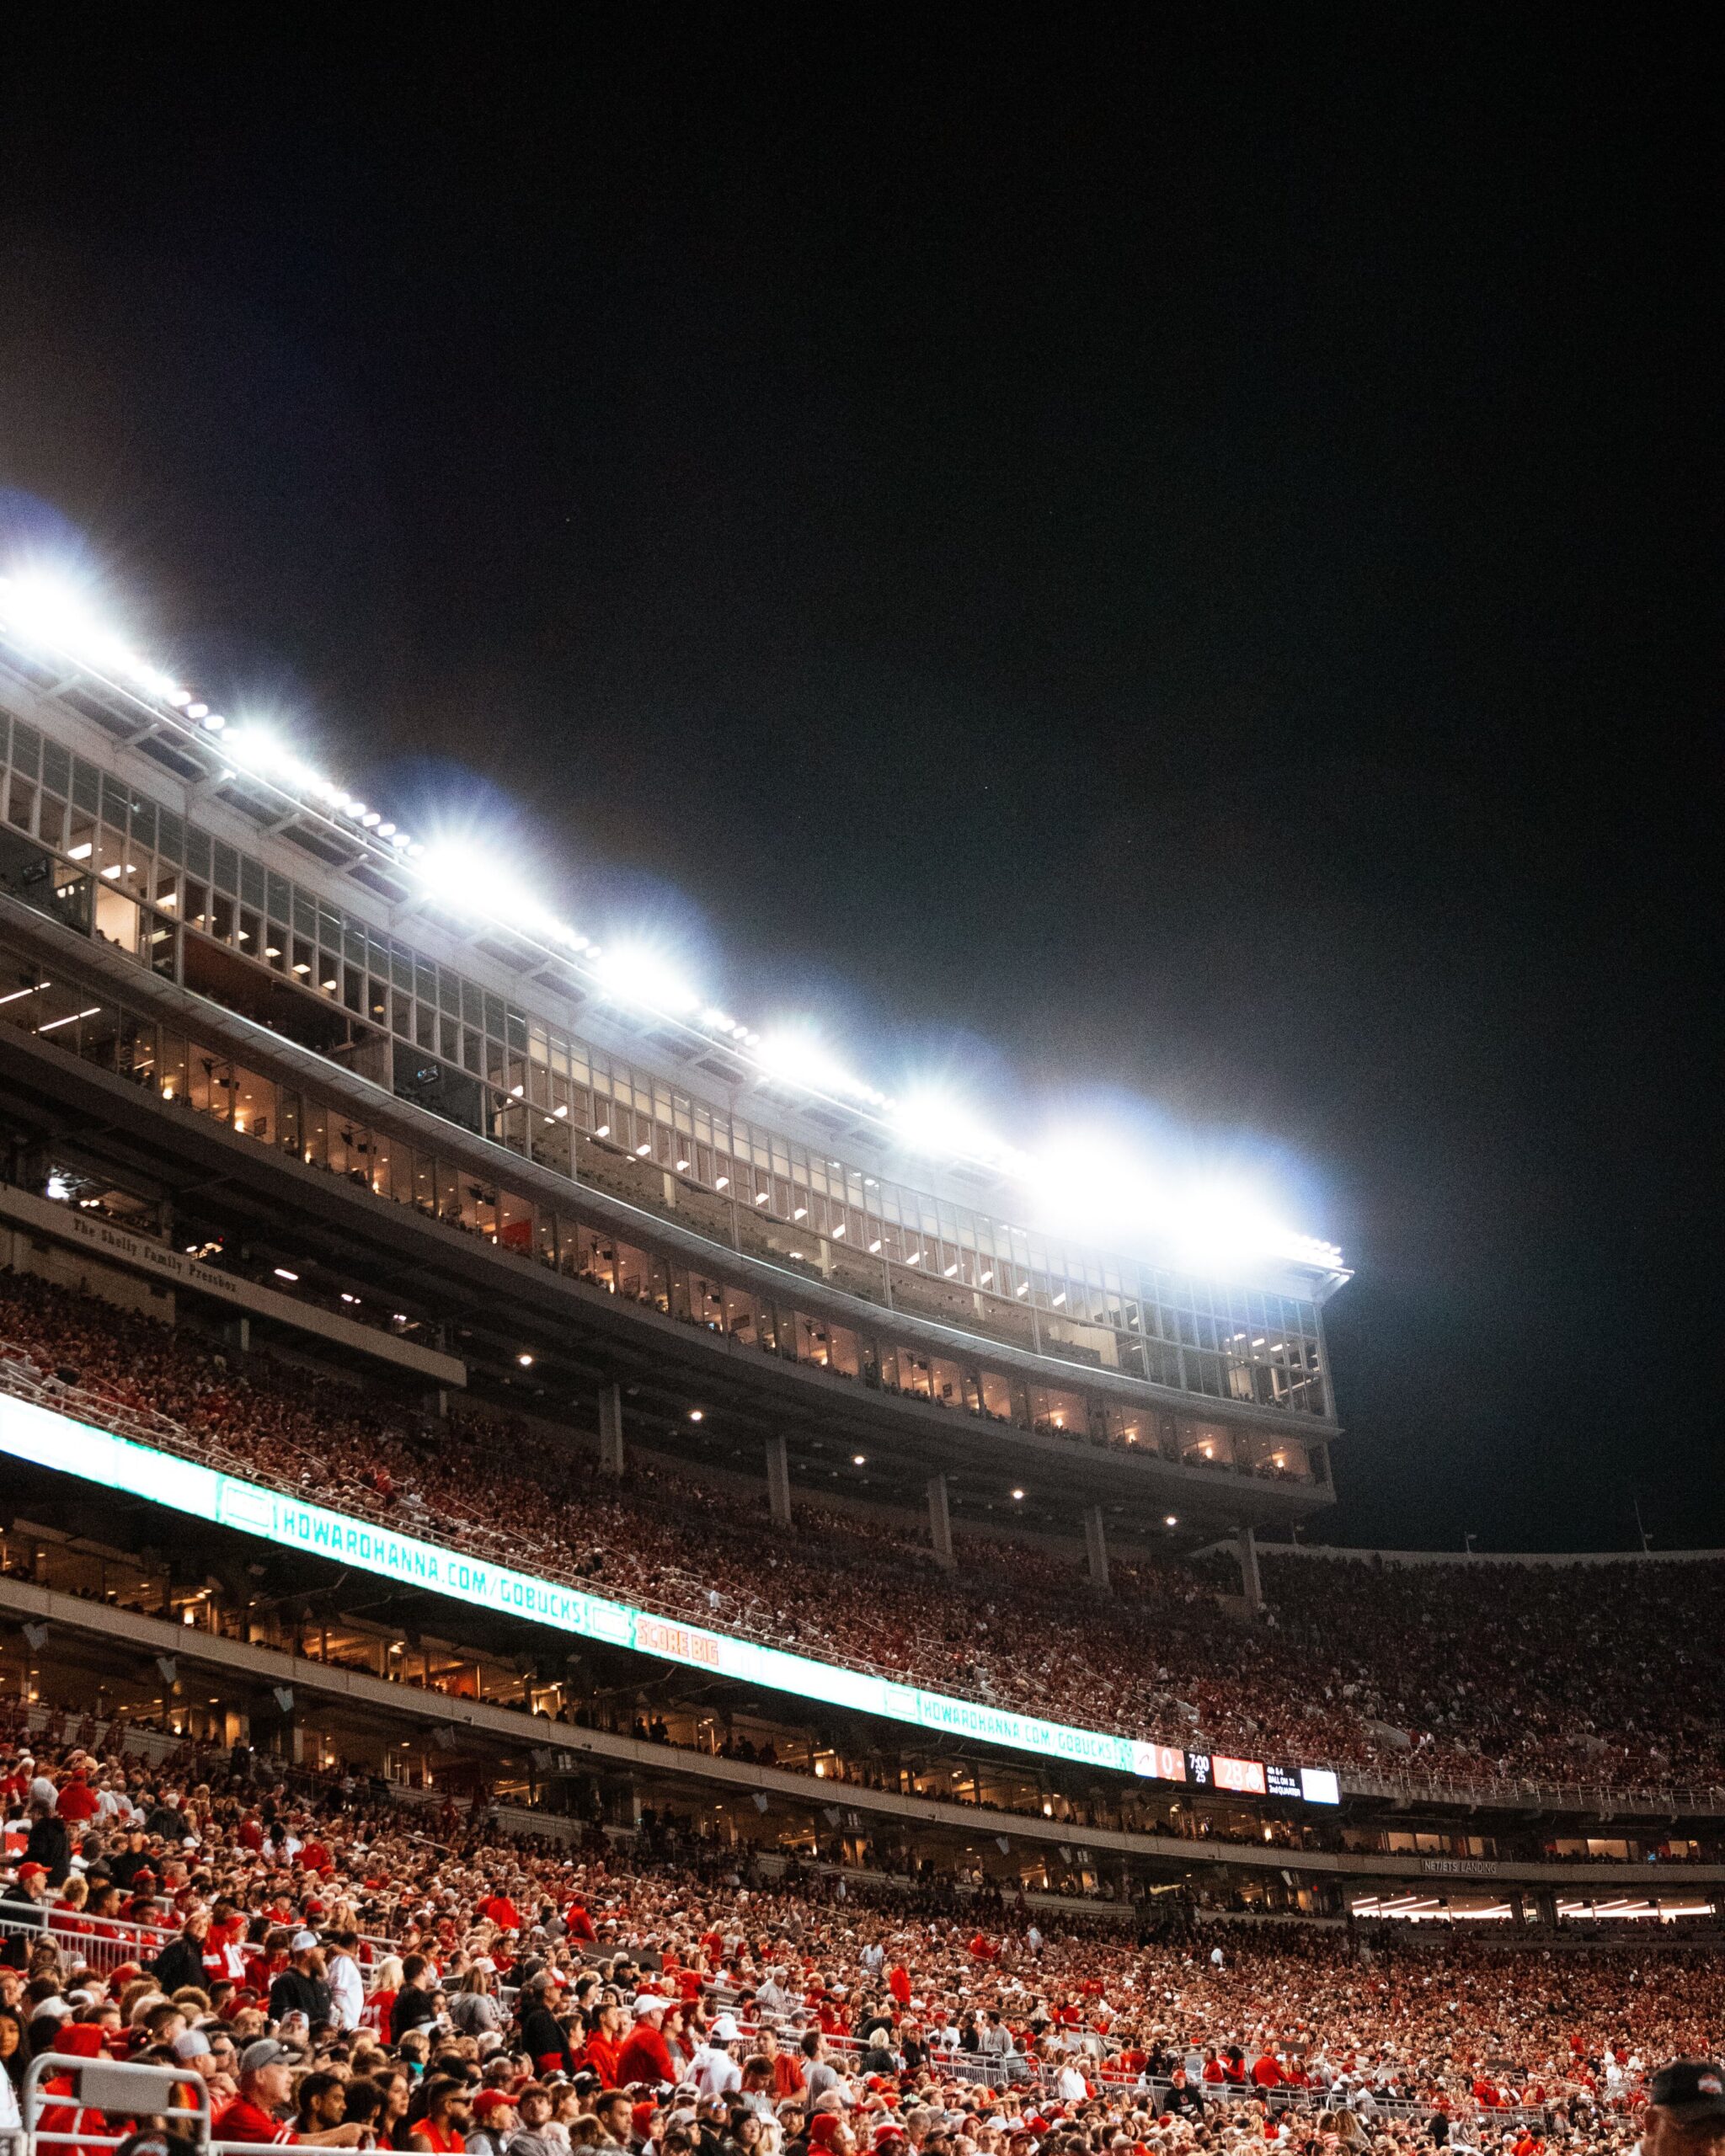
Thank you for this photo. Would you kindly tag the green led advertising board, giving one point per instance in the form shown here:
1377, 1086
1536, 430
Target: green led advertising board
30, 1432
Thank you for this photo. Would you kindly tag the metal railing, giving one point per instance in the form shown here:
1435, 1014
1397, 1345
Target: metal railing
1234, 2095
119, 2092
1596, 1800
101, 1944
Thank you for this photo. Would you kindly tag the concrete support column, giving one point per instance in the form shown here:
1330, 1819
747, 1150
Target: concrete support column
1251, 1583
237, 1331
610, 1430
1096, 1547
940, 1521
279, 1728
778, 1479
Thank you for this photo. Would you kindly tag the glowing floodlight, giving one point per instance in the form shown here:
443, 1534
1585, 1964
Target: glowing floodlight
637, 974
935, 1123
469, 881
796, 1055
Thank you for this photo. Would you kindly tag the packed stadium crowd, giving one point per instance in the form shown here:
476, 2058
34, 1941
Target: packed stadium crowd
333, 1967
1529, 1674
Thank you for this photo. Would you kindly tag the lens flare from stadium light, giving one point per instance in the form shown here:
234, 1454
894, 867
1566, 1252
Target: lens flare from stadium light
1221, 1223
637, 974
464, 879
930, 1121
52, 612
254, 747
1090, 1190
796, 1055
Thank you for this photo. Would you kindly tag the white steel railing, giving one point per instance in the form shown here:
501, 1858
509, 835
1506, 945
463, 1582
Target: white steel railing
122, 2094
100, 1944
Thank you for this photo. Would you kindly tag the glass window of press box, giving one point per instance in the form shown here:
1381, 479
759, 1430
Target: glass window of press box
173, 897
205, 1080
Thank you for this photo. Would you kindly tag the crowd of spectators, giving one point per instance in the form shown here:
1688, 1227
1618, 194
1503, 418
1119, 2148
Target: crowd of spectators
333, 1968
1481, 1676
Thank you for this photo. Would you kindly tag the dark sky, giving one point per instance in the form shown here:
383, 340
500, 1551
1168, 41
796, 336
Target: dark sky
1172, 565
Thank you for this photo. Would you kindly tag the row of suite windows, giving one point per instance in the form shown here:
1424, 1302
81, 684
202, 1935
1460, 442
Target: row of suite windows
150, 869
208, 1081
1242, 1345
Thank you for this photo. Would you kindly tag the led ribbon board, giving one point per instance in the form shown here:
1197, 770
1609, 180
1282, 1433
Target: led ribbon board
38, 1434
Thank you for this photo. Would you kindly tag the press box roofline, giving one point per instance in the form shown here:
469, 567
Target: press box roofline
142, 739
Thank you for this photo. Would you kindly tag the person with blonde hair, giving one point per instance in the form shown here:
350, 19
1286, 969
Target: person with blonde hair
379, 2000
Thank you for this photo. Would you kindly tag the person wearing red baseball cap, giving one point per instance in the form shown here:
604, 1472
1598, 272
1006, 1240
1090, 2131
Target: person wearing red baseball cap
495, 2119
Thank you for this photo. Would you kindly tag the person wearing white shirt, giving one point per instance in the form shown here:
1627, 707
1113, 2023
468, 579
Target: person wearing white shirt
714, 2071
347, 1986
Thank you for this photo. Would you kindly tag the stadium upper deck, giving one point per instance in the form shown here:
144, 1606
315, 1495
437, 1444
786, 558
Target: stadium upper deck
238, 937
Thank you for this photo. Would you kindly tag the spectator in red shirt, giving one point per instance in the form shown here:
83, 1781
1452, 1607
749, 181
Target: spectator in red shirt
78, 1802
448, 2119
498, 1909
646, 2057
60, 2113
265, 2084
605, 2043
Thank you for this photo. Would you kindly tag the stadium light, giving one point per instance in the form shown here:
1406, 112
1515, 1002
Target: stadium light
929, 1121
636, 975
1107, 1196
797, 1056
465, 880
53, 613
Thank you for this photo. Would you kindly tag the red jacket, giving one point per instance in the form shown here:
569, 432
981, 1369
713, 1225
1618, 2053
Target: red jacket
645, 2057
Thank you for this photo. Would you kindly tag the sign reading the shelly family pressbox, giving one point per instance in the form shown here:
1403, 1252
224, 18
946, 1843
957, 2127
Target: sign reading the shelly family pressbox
30, 1432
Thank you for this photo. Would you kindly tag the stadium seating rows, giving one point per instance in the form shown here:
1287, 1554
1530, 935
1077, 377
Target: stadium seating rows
1602, 1678
235, 1875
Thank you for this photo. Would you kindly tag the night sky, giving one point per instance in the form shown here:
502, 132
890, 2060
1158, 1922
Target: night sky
1107, 565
